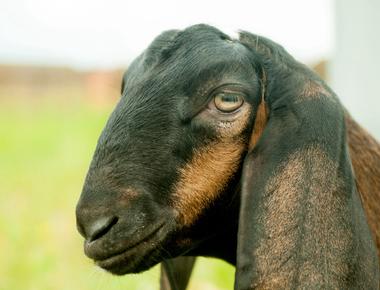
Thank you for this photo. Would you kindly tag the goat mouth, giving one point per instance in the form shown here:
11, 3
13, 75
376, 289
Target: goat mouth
136, 258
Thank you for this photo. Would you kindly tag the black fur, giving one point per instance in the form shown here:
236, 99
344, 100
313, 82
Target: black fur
154, 130
151, 133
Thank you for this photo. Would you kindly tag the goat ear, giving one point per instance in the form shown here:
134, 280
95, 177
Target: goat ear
301, 223
175, 273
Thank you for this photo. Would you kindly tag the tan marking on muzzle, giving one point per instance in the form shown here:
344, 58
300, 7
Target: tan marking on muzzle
127, 195
205, 177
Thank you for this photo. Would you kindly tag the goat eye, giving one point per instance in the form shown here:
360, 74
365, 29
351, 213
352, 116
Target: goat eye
228, 102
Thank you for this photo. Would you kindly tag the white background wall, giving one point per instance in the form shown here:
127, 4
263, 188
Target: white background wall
355, 66
101, 33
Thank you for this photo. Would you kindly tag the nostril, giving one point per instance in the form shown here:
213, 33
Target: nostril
100, 227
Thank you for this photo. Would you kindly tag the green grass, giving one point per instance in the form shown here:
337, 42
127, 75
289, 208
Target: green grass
45, 149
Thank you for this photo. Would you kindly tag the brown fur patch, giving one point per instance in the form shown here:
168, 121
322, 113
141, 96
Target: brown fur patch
365, 157
259, 126
257, 43
261, 115
204, 178
299, 213
127, 195
313, 89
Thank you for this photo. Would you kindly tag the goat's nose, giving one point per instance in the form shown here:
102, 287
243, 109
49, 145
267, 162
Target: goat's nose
97, 228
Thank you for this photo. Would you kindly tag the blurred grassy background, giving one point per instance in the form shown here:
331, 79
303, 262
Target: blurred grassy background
48, 133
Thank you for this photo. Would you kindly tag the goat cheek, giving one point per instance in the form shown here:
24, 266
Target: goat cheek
205, 177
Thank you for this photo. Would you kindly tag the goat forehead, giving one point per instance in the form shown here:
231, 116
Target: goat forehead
188, 54
198, 38
181, 77
153, 95
156, 99
189, 61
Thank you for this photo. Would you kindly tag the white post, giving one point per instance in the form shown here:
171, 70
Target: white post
355, 67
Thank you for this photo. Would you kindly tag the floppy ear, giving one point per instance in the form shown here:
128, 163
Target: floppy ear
175, 273
301, 222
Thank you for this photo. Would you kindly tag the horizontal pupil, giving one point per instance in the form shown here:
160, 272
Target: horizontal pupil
228, 102
230, 98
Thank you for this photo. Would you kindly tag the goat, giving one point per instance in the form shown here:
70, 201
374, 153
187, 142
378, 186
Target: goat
230, 148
